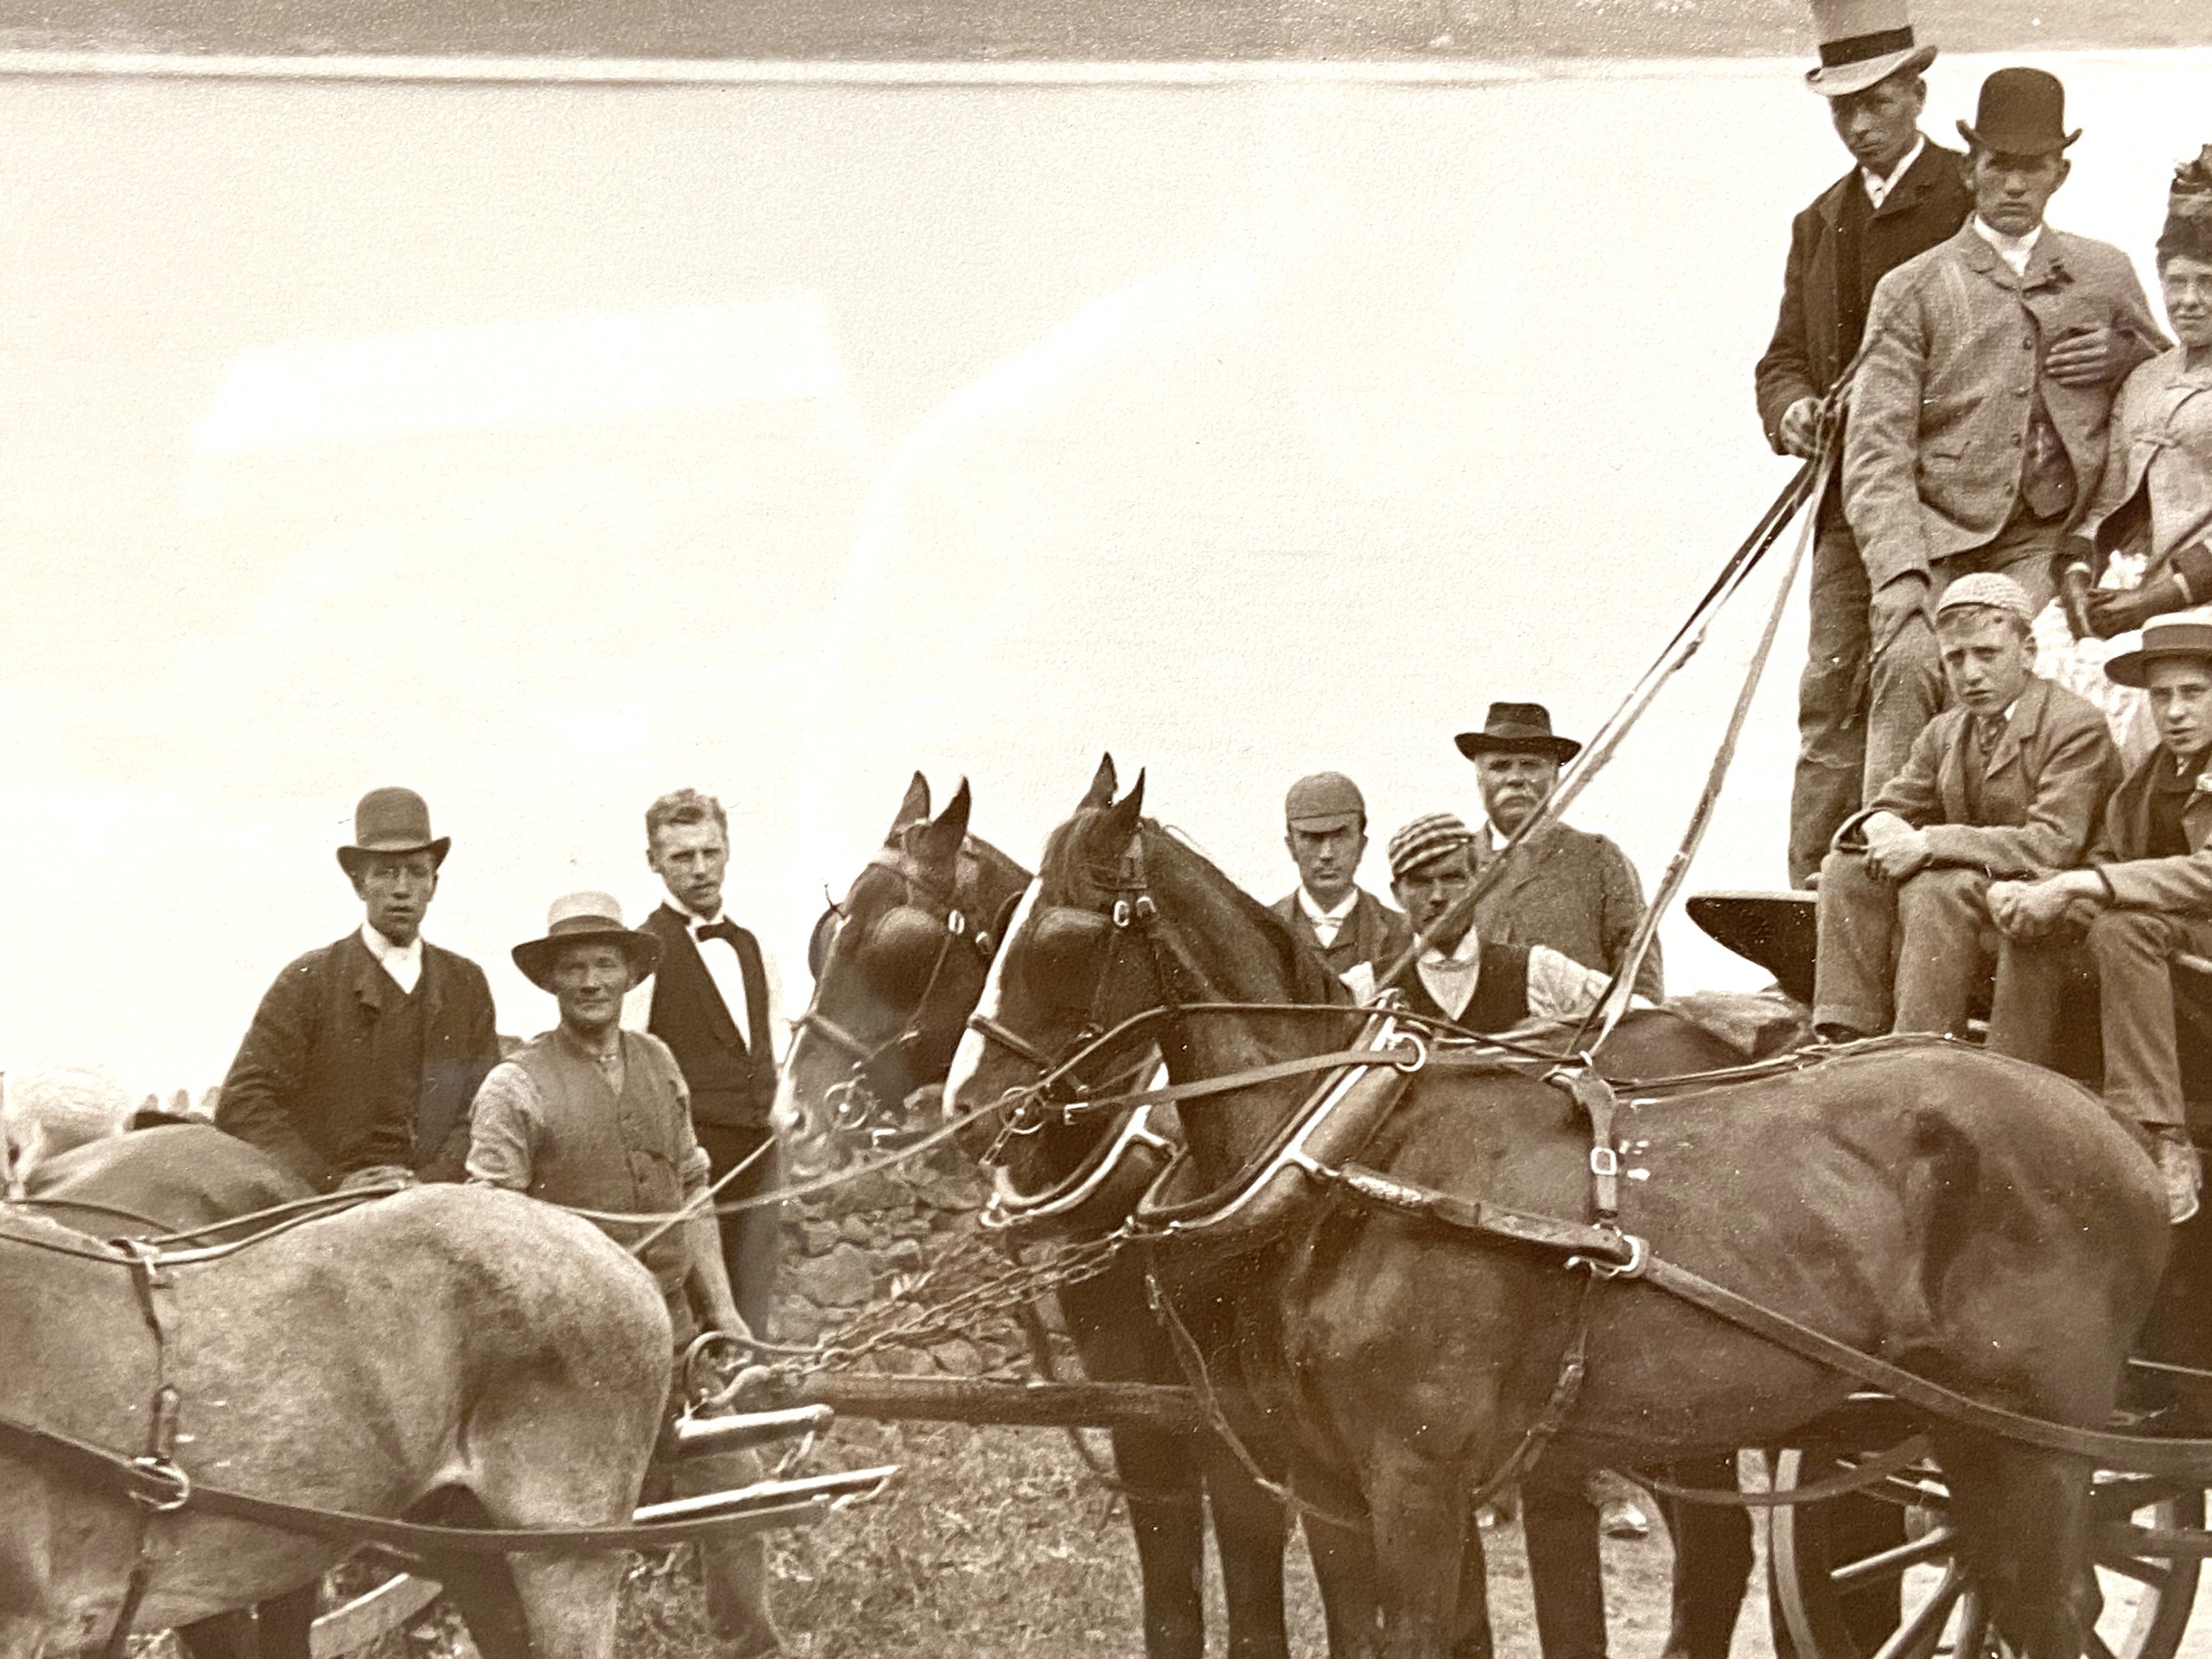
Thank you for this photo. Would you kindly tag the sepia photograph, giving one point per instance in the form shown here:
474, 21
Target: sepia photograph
1156, 829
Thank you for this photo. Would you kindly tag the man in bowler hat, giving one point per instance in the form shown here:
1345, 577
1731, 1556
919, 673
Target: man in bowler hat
1902, 196
593, 1117
364, 1055
1567, 889
1325, 827
1977, 432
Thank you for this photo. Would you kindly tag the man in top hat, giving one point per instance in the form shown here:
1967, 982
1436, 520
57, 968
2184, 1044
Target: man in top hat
593, 1117
1902, 196
1325, 826
714, 1003
1979, 417
2143, 896
1564, 888
364, 1055
2006, 782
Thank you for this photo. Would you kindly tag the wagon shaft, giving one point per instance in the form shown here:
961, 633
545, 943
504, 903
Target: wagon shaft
1026, 1404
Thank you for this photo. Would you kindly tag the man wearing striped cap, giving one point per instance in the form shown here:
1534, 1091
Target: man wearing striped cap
2006, 782
1457, 977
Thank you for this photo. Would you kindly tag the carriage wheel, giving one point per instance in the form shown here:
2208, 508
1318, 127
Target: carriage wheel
1858, 1579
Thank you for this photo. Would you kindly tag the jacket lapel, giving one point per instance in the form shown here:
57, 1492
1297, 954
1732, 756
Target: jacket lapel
2008, 760
1950, 770
2195, 817
676, 940
365, 973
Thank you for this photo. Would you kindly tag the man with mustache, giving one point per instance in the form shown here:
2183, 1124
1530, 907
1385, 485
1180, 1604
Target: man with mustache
1566, 889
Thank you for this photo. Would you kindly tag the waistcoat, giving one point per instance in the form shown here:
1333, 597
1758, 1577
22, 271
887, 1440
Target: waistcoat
731, 1074
1500, 997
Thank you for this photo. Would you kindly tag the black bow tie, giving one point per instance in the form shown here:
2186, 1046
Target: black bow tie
723, 930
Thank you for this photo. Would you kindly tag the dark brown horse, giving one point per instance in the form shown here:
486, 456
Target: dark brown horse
1983, 1223
893, 989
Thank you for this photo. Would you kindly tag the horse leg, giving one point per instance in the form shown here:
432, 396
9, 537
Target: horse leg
2023, 1522
1250, 1531
1559, 1527
1712, 1562
1417, 1509
1166, 1515
1344, 1567
1471, 1638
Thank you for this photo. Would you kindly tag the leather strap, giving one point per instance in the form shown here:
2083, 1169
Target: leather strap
1595, 1096
1868, 1471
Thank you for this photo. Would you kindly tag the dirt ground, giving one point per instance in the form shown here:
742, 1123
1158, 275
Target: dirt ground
1005, 29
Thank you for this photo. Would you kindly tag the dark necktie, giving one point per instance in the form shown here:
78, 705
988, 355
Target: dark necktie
1987, 729
725, 930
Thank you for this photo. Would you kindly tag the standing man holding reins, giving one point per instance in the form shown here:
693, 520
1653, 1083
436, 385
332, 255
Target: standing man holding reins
1902, 197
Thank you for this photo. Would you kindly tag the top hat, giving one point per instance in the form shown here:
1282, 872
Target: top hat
2163, 637
392, 820
1517, 728
1863, 42
2021, 112
1325, 801
575, 917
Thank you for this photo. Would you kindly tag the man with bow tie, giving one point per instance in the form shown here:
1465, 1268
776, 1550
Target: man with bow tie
2006, 783
1977, 432
714, 1002
2113, 927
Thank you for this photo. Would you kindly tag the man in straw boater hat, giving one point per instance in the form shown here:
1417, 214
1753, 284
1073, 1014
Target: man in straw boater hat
1566, 889
1977, 431
2143, 896
594, 1117
2006, 782
363, 1056
1902, 196
1325, 827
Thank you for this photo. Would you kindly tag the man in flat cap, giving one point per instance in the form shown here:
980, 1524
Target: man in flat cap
1325, 827
2115, 923
2008, 782
594, 1117
1902, 197
364, 1055
1977, 432
1567, 889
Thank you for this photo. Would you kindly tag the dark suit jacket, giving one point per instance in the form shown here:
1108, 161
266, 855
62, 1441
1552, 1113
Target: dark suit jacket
2042, 787
1820, 324
1574, 892
731, 1073
1373, 933
2182, 885
303, 1089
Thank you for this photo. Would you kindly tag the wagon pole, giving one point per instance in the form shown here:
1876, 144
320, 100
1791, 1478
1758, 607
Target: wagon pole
1019, 1404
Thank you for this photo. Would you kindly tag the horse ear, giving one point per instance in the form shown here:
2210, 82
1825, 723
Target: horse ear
915, 808
1122, 817
1101, 792
939, 844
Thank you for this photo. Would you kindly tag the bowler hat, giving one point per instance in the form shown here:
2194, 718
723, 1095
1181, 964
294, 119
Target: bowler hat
2163, 638
392, 820
2021, 112
575, 917
1325, 801
1517, 728
1863, 42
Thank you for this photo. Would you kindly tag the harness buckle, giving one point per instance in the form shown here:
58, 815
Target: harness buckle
1122, 913
1639, 1258
956, 923
159, 1486
1415, 1056
1605, 1163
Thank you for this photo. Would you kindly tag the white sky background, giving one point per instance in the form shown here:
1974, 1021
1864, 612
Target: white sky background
546, 447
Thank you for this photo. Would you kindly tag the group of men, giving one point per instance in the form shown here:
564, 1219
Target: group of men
375, 1060
1981, 350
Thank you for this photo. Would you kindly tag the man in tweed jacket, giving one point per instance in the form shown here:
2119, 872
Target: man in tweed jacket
1978, 416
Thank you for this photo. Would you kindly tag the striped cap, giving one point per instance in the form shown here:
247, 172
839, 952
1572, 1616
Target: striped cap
1986, 589
1428, 837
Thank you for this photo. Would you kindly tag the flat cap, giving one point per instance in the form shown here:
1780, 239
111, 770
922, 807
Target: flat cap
1427, 838
1323, 801
1986, 589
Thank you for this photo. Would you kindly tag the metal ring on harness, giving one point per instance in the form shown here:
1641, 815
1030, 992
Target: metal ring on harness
695, 1385
159, 1486
1638, 1258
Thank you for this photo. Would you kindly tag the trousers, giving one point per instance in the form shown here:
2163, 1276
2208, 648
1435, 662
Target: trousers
1831, 693
2125, 958
1905, 683
1900, 956
752, 1240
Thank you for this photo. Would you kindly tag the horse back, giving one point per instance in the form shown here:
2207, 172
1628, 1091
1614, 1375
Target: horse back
177, 1175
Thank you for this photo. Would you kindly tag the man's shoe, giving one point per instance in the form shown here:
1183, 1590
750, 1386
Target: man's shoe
2182, 1170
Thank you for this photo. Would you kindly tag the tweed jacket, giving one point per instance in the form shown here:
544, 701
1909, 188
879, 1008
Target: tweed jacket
2182, 885
1818, 330
2157, 493
1940, 409
1373, 933
302, 1087
1574, 892
2042, 788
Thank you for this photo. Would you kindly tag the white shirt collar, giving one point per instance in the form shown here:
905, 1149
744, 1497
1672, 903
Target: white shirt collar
1337, 912
2015, 250
1877, 187
403, 962
691, 917
1467, 953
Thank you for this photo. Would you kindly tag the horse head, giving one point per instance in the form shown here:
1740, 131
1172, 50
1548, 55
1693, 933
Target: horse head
1127, 941
897, 965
